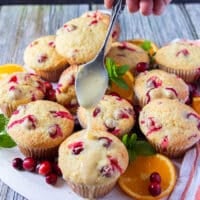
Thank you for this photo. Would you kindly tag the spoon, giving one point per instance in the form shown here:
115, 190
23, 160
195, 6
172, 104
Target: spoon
92, 78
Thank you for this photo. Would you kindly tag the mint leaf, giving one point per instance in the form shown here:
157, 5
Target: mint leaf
120, 82
146, 45
144, 148
132, 141
6, 141
122, 69
3, 122
132, 155
125, 139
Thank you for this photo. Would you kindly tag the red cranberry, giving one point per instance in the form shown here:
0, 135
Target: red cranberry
106, 171
185, 52
96, 111
17, 163
142, 66
48, 85
51, 179
29, 164
154, 189
44, 168
50, 95
76, 147
42, 58
56, 169
106, 141
155, 177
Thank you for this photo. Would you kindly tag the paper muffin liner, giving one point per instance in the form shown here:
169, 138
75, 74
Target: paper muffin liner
189, 75
91, 191
7, 109
39, 154
52, 76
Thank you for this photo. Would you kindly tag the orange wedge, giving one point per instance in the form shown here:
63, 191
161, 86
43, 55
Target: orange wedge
124, 93
196, 104
9, 69
138, 42
135, 181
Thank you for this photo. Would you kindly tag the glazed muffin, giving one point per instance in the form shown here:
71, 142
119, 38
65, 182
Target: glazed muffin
125, 53
170, 126
77, 39
181, 59
91, 163
105, 17
113, 114
42, 57
156, 84
20, 88
65, 91
39, 127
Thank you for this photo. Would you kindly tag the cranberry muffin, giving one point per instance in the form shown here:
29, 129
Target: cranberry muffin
113, 114
170, 126
180, 58
65, 91
156, 84
39, 127
20, 88
91, 162
125, 53
41, 56
77, 39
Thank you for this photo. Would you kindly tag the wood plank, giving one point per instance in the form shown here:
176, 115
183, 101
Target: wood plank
160, 29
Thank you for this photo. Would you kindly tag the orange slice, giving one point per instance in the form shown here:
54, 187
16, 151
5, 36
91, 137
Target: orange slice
196, 104
9, 69
138, 42
124, 93
135, 181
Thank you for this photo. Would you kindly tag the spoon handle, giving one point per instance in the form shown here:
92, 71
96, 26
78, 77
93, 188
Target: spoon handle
118, 6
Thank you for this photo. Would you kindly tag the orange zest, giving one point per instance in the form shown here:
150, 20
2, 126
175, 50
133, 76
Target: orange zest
124, 93
196, 104
139, 42
9, 69
135, 180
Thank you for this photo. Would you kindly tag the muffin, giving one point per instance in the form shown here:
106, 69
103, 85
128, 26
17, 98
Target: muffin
42, 57
125, 53
77, 40
170, 126
65, 91
105, 17
92, 163
112, 114
156, 84
39, 127
20, 88
180, 58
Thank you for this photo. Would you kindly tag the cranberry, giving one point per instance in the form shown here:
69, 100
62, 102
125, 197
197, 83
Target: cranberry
29, 164
51, 179
96, 111
142, 66
56, 169
55, 131
44, 168
93, 22
17, 163
42, 58
106, 171
13, 79
185, 52
76, 147
50, 95
48, 85
154, 189
106, 141
155, 177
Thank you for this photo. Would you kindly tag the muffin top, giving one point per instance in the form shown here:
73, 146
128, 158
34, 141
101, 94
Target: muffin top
92, 159
41, 55
77, 39
156, 84
170, 124
179, 55
40, 124
20, 88
125, 53
113, 114
65, 91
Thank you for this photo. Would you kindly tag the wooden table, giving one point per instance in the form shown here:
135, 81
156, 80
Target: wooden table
21, 24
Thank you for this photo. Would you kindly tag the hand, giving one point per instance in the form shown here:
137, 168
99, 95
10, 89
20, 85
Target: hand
146, 7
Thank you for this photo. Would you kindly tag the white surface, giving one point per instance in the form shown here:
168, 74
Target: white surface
33, 186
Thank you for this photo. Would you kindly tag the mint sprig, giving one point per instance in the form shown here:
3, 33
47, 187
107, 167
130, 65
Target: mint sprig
137, 147
5, 140
146, 45
115, 73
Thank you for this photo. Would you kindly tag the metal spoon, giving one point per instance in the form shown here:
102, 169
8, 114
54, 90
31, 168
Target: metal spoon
92, 78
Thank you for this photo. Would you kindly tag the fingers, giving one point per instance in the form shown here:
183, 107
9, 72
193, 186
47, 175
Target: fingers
146, 7
133, 5
159, 6
108, 3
